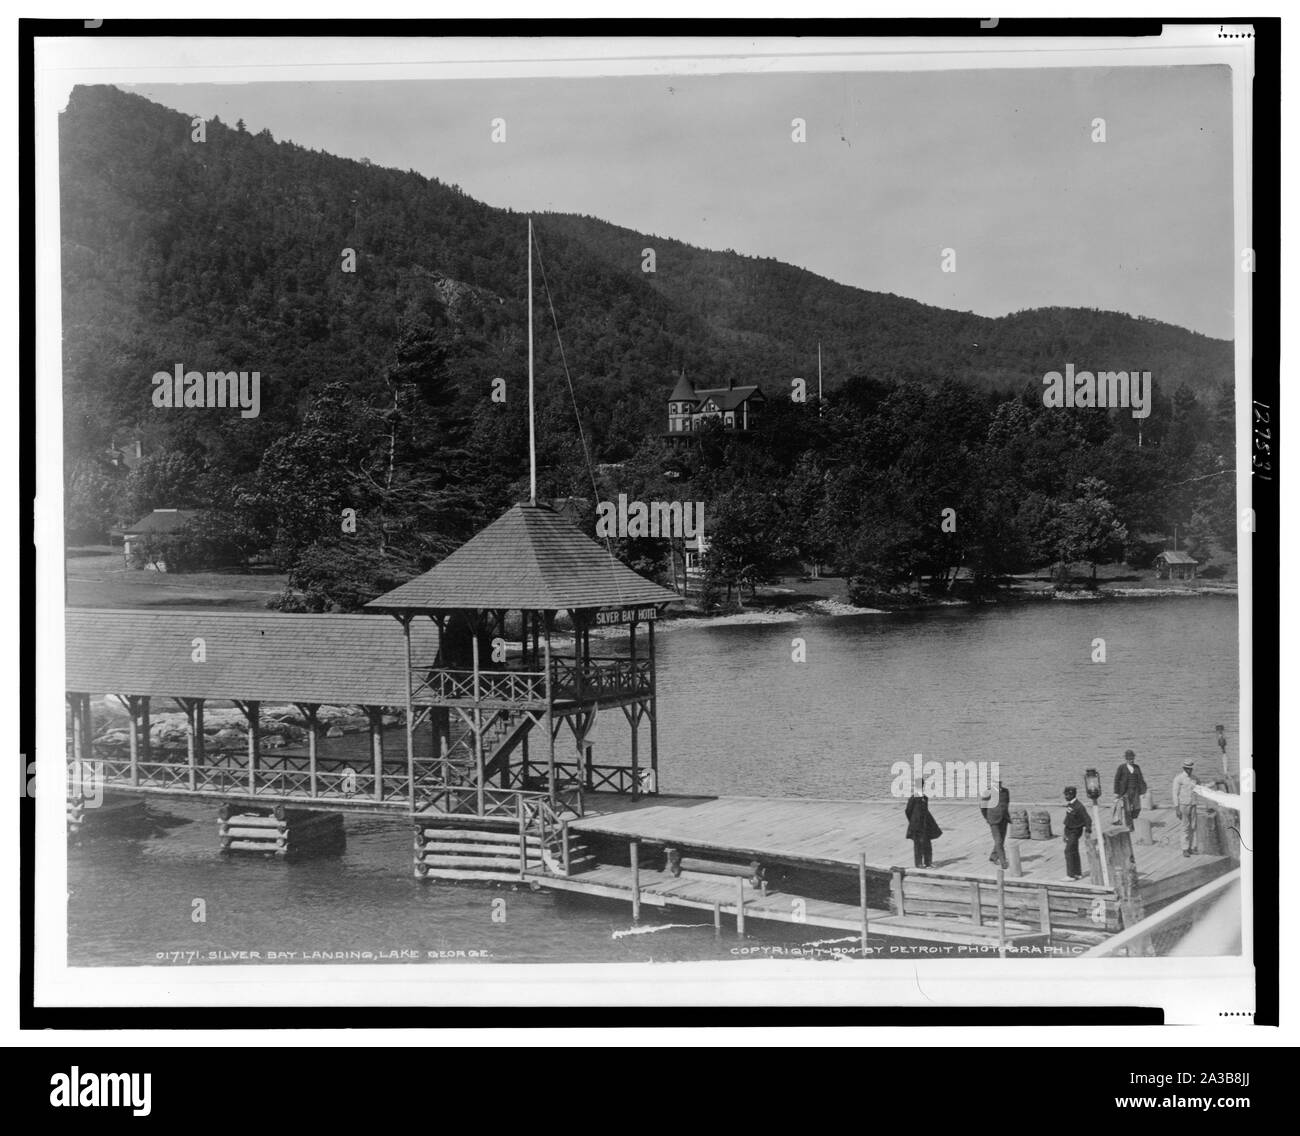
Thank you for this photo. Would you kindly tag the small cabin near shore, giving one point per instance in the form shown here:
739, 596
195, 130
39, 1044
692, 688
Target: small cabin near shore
1175, 566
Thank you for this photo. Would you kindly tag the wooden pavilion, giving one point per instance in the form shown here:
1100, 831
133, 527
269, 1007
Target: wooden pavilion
498, 602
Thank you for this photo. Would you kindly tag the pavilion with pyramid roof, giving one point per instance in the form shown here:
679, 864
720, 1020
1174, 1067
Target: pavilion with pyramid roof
515, 607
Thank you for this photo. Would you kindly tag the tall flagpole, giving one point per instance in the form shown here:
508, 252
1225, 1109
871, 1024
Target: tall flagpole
532, 441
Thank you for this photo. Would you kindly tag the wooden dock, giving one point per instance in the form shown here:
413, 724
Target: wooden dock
845, 866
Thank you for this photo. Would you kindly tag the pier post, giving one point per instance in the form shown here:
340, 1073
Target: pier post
862, 897
146, 731
74, 723
636, 881
1045, 911
550, 713
132, 709
564, 840
375, 714
308, 710
1002, 913
253, 712
717, 919
198, 757
1013, 854
634, 718
740, 905
897, 883
523, 836
976, 911
410, 723
654, 718
479, 798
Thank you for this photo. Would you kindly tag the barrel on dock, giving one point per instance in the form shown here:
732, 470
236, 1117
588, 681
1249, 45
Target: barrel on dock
281, 832
1040, 825
1019, 824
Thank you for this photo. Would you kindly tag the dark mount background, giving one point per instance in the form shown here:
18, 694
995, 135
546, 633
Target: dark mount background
225, 255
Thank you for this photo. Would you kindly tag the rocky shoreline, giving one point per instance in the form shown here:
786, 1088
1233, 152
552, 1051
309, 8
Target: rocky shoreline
283, 726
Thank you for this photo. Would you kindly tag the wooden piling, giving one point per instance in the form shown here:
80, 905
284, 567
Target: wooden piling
636, 881
717, 919
1044, 911
896, 882
133, 707
523, 837
862, 897
1001, 913
740, 906
564, 838
1013, 854
976, 912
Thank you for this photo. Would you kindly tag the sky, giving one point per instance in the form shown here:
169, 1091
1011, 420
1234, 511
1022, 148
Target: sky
998, 165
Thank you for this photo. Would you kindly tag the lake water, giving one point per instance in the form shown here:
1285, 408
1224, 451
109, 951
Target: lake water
1012, 684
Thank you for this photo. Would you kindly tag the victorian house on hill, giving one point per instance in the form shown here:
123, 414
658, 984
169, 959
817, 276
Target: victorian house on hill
734, 407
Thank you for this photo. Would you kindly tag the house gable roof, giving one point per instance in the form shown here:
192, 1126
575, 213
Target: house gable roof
1177, 558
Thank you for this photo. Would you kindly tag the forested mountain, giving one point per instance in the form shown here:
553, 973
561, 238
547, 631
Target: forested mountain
227, 254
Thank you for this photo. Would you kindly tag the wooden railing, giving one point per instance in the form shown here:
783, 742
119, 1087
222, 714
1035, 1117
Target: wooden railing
571, 682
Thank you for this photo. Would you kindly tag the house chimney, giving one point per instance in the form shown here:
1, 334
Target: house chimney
731, 384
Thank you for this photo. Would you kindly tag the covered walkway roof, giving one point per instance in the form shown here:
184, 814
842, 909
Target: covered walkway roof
531, 559
272, 657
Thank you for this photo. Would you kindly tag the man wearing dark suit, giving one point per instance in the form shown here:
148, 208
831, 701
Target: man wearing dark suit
998, 814
1077, 822
1130, 784
922, 828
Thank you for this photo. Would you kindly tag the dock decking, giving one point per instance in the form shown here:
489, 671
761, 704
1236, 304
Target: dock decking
833, 834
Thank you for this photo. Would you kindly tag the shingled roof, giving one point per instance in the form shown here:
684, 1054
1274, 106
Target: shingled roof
530, 558
273, 657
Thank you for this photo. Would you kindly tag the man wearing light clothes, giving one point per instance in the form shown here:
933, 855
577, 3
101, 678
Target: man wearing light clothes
1184, 793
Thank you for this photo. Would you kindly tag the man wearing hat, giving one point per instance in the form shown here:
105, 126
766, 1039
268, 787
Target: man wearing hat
1130, 785
1077, 822
1184, 793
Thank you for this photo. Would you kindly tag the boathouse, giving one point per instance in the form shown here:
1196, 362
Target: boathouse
1175, 566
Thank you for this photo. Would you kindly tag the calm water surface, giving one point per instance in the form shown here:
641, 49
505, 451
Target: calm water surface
1013, 684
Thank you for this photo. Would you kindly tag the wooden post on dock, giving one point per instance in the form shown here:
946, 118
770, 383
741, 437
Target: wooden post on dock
133, 709
636, 881
146, 731
862, 897
74, 720
1002, 913
478, 728
1013, 854
550, 711
897, 883
410, 718
309, 716
654, 717
1124, 875
976, 911
375, 714
564, 837
740, 905
635, 719
523, 836
717, 919
253, 712
1044, 911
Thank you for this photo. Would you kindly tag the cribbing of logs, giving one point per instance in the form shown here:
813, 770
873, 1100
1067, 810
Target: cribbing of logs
280, 832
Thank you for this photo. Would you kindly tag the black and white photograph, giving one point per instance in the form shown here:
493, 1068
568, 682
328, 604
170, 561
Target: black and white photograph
568, 506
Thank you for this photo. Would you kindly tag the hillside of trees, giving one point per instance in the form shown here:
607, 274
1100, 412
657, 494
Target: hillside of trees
376, 385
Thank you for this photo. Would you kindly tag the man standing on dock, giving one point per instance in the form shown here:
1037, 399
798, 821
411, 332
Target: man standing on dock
1077, 822
998, 814
922, 828
1184, 792
1130, 785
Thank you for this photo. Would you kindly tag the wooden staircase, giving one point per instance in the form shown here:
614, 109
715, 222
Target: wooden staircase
453, 850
